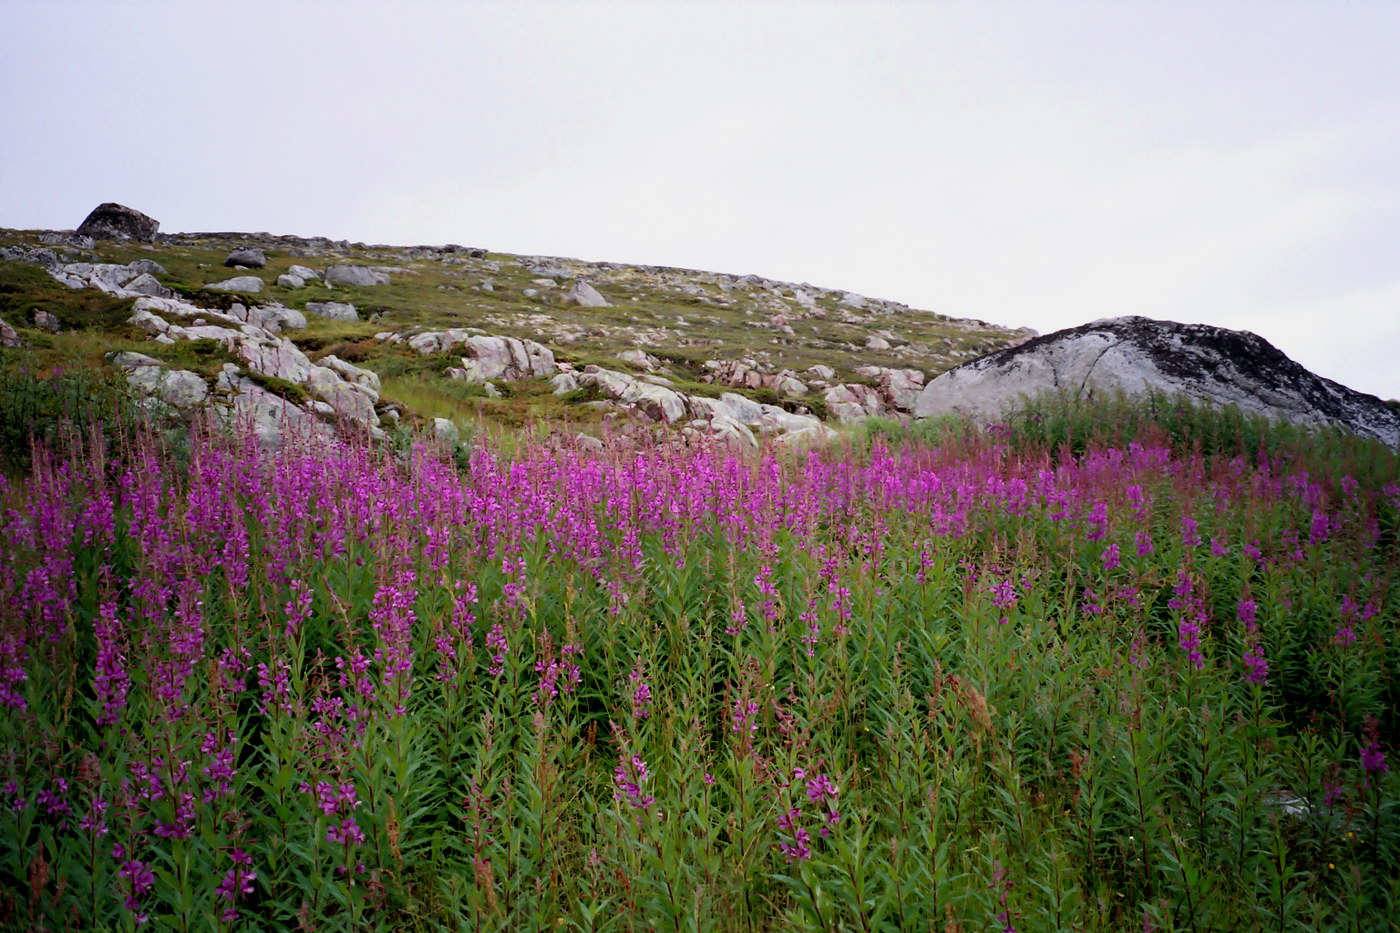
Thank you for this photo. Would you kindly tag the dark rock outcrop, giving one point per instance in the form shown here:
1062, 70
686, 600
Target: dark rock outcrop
118, 222
1137, 354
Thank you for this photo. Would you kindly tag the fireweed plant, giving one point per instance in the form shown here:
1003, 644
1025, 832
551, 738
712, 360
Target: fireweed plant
987, 685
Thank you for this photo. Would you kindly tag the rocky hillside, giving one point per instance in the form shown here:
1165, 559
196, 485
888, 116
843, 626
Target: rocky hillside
315, 332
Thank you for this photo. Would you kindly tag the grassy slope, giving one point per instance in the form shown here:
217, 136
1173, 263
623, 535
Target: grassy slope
651, 309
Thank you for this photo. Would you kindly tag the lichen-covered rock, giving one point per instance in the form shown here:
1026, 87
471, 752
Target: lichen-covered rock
1207, 364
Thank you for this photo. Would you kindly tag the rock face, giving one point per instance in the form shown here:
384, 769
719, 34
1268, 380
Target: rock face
1137, 354
118, 222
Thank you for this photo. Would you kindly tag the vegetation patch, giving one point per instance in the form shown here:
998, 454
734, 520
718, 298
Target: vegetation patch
987, 684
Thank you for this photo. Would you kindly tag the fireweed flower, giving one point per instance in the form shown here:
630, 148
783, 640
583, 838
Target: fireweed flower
737, 620
1256, 665
1346, 625
641, 695
500, 648
1372, 758
1002, 885
800, 849
814, 631
238, 882
1003, 596
347, 833
629, 777
110, 681
139, 880
1193, 612
95, 822
298, 608
1190, 531
744, 718
1097, 520
1110, 558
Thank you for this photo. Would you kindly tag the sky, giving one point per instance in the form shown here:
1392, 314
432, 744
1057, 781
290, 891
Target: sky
1036, 164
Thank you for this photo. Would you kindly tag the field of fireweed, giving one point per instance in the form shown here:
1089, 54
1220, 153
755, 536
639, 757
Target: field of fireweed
985, 685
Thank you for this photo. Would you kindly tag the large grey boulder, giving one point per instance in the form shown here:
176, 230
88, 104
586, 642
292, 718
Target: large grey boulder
854, 402
1207, 364
112, 221
335, 310
742, 409
273, 318
640, 359
348, 399
446, 432
239, 284
356, 275
352, 373
586, 296
9, 337
45, 320
271, 419
147, 284
149, 266
246, 256
178, 388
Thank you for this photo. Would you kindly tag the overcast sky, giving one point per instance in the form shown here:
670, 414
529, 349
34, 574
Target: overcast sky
1039, 164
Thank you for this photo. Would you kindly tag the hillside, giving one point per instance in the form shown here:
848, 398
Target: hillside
801, 348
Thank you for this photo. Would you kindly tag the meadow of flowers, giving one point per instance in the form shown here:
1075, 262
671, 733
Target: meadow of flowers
989, 684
